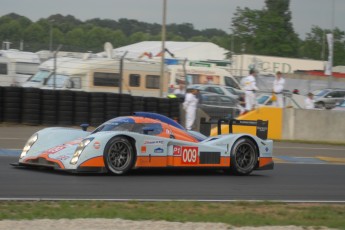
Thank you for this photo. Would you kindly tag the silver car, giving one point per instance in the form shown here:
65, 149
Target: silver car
328, 98
218, 89
340, 106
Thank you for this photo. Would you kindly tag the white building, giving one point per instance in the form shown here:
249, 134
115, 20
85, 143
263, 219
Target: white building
180, 50
242, 63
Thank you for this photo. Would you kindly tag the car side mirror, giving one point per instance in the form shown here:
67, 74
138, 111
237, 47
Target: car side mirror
84, 126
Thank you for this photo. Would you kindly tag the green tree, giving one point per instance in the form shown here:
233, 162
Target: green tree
268, 31
275, 35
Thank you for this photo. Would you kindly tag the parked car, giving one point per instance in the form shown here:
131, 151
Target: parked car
219, 106
340, 106
328, 98
218, 89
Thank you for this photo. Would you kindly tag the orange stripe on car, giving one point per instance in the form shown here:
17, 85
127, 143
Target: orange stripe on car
94, 162
265, 161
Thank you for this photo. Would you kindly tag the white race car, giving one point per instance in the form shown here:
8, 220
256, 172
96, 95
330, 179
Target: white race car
144, 140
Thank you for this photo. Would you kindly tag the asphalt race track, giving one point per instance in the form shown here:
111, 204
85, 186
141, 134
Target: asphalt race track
303, 172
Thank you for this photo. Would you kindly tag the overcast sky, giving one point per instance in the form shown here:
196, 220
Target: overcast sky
201, 13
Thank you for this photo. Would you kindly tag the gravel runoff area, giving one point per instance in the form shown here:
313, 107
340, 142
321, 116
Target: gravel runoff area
117, 224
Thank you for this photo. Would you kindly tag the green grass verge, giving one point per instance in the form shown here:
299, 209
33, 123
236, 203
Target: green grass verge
232, 213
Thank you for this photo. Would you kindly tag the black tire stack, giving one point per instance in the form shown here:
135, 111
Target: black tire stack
97, 108
31, 109
112, 102
81, 108
125, 105
1, 104
138, 104
174, 112
49, 107
164, 106
65, 107
12, 102
151, 104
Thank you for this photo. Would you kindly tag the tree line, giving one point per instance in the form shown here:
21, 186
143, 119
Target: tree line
262, 32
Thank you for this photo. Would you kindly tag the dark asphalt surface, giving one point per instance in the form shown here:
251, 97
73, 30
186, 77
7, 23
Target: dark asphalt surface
288, 182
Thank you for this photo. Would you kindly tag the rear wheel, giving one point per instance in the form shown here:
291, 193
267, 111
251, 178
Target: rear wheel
321, 105
244, 157
119, 155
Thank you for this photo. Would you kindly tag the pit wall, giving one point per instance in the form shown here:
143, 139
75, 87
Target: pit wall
295, 124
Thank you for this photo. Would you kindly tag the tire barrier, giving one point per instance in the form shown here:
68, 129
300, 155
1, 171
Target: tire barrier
81, 108
125, 106
97, 108
12, 102
34, 106
138, 104
65, 107
1, 104
174, 111
49, 107
112, 102
31, 106
151, 104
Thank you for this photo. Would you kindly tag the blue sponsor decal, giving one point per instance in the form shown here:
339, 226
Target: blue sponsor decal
158, 150
267, 149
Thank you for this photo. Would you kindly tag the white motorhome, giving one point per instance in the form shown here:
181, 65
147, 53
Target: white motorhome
200, 75
44, 71
97, 74
17, 66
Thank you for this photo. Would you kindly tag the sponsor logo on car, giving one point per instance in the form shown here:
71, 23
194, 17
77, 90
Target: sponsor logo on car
143, 149
158, 150
62, 158
177, 150
56, 149
97, 145
153, 142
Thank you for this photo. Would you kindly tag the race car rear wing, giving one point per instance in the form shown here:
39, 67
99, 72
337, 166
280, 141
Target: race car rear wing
261, 126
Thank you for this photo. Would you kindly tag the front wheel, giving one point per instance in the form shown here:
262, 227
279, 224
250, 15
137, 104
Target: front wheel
119, 155
244, 157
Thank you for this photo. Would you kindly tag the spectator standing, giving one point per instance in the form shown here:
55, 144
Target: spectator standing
309, 101
278, 87
249, 85
190, 105
180, 90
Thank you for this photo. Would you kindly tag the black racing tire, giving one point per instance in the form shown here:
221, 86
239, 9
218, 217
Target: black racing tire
244, 157
119, 155
321, 105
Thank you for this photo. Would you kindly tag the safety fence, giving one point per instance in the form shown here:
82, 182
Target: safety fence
35, 106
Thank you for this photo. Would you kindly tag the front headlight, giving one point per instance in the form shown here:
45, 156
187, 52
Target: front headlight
28, 145
79, 150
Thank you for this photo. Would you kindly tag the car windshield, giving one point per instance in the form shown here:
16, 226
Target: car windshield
39, 76
153, 128
261, 100
59, 81
320, 93
231, 90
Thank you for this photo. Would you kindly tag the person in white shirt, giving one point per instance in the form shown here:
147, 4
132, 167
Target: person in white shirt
180, 90
278, 87
309, 102
249, 86
190, 105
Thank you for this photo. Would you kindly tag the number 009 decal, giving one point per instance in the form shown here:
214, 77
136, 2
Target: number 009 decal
189, 155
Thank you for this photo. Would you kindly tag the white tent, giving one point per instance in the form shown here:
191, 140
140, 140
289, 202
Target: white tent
179, 50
